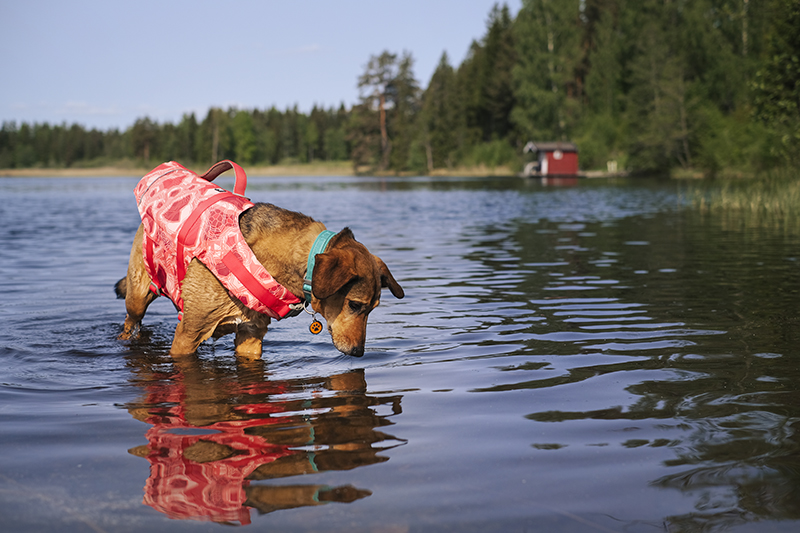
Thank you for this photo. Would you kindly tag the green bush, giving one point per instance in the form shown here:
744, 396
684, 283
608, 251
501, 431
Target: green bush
493, 154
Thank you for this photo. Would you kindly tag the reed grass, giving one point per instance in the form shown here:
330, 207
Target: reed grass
772, 199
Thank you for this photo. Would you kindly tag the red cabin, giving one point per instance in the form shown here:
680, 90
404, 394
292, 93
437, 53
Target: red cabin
553, 159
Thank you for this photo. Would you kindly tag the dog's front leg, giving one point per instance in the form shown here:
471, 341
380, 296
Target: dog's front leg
135, 288
137, 298
249, 339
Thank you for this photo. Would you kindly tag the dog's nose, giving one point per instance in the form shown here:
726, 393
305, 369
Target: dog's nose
357, 351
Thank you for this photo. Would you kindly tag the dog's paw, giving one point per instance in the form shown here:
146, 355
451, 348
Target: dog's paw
128, 333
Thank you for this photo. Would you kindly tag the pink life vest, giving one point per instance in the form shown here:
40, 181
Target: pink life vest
185, 216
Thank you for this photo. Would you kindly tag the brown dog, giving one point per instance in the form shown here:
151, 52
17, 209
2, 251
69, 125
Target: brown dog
347, 282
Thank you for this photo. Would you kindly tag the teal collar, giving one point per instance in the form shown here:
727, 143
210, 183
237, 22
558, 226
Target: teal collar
319, 246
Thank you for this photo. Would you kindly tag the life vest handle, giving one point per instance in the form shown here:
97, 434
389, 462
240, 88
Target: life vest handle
241, 177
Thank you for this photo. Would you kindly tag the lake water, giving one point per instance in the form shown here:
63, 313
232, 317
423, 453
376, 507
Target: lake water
578, 356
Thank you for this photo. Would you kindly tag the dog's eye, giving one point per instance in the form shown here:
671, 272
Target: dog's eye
356, 307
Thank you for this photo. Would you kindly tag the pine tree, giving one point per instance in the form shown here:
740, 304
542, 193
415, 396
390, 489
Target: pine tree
143, 135
404, 95
364, 138
244, 137
375, 84
498, 59
547, 34
186, 134
440, 117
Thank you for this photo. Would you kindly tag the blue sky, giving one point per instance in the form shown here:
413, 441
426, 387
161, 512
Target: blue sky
106, 63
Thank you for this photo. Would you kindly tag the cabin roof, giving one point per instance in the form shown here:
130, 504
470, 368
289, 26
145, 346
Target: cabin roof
536, 146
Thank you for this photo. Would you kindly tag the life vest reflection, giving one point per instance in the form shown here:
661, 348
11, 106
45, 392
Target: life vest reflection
219, 435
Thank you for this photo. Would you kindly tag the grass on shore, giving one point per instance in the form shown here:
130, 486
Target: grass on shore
125, 168
771, 200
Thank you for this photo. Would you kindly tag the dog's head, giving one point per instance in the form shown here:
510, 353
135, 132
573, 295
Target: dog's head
347, 282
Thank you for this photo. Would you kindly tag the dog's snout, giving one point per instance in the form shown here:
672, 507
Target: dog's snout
357, 351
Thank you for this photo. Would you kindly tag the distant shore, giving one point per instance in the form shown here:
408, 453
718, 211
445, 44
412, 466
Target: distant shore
336, 168
327, 168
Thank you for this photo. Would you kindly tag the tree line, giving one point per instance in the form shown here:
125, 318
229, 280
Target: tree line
247, 136
712, 85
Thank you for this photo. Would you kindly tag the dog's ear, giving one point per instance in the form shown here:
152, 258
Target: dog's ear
387, 280
332, 271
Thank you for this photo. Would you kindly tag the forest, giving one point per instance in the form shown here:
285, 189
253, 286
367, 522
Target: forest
703, 86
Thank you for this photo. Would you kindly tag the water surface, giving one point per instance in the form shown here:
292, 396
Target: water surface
594, 356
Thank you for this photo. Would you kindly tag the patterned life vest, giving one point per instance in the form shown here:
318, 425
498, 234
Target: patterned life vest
185, 216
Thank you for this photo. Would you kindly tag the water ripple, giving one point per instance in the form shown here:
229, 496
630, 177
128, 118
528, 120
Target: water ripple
596, 349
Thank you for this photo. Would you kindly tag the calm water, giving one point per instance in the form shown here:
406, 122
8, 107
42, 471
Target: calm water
595, 357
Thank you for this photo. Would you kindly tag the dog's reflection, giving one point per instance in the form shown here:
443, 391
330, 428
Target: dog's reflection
216, 432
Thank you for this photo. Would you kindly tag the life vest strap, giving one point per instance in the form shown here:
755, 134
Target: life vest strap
188, 232
254, 286
240, 183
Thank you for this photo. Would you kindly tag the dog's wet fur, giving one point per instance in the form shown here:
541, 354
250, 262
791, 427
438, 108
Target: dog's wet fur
347, 282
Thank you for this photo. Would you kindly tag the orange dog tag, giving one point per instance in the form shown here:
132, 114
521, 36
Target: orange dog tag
315, 327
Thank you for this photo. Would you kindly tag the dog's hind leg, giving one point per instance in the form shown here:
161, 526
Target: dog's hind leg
189, 334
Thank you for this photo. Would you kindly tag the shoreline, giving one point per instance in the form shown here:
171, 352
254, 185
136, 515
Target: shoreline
97, 172
111, 171
337, 168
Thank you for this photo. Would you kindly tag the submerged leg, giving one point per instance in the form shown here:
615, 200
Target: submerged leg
189, 334
206, 304
135, 287
136, 307
249, 338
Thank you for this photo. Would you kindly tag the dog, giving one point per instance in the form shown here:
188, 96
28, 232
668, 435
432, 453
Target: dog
305, 266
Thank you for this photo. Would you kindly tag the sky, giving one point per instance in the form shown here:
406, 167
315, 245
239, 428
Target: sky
105, 63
